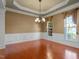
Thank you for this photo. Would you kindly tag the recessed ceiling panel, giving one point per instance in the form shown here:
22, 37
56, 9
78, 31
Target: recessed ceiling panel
34, 4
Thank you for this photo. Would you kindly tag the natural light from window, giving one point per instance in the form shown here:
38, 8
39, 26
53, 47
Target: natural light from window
70, 54
70, 28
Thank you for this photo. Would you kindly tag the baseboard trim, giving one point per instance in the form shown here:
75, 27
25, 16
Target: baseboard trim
23, 37
59, 38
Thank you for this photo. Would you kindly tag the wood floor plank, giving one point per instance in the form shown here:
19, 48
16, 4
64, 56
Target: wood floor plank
2, 56
41, 49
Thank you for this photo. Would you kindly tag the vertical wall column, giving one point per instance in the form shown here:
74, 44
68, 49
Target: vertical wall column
2, 28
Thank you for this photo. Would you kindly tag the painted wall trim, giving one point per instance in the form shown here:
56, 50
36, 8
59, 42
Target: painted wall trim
20, 12
76, 5
44, 12
21, 37
59, 38
2, 28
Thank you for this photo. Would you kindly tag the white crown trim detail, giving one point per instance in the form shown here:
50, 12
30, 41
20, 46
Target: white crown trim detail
21, 12
56, 7
51, 9
76, 5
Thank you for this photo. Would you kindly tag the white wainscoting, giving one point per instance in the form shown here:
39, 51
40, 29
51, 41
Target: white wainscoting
21, 37
59, 38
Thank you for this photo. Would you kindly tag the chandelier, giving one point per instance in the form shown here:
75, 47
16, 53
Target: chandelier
40, 18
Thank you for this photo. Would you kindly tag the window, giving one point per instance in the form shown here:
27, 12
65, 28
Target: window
69, 28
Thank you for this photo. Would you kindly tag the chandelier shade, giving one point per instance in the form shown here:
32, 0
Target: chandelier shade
40, 19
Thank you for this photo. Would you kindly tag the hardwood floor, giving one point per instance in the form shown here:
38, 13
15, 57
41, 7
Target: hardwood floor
41, 49
2, 56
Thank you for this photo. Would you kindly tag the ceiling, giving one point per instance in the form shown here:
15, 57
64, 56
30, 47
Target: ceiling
32, 6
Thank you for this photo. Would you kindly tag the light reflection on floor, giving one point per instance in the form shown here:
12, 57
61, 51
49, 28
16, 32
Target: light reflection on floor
49, 54
47, 50
70, 54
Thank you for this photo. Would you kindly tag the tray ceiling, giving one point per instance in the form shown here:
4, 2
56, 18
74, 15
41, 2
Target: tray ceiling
32, 6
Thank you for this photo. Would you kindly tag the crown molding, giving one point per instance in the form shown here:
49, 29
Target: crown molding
76, 5
20, 12
56, 6
73, 6
45, 12
24, 8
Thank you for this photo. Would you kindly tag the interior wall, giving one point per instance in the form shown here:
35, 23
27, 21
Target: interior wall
58, 31
2, 27
19, 23
58, 23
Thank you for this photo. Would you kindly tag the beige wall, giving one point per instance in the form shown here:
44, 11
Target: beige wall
58, 23
19, 23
